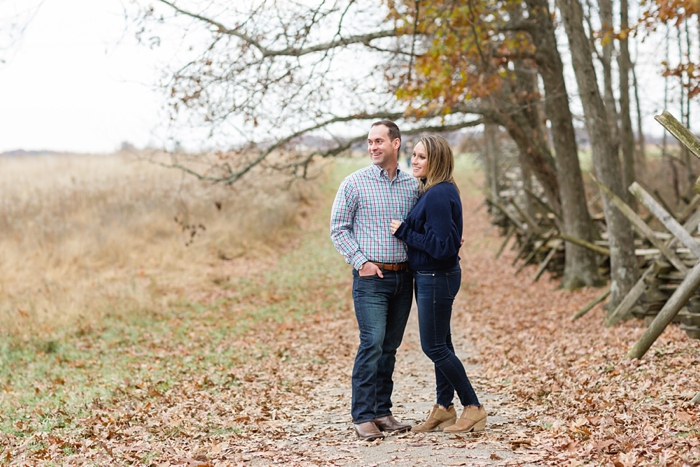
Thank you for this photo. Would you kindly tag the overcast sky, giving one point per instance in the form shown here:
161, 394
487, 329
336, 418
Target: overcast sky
78, 81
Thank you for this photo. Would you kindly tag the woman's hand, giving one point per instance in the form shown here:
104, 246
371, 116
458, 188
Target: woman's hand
395, 224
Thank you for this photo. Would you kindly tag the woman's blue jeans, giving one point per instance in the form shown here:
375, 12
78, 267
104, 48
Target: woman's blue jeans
382, 307
435, 294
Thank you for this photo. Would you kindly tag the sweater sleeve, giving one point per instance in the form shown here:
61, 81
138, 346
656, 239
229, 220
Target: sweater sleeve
441, 238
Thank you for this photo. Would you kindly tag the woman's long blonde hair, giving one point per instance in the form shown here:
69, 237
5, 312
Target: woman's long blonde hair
441, 161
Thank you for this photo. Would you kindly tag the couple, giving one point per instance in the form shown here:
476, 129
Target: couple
388, 255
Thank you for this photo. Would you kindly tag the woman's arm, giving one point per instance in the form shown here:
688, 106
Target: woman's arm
441, 239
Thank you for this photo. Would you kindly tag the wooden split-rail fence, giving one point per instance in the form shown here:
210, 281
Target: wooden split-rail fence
670, 260
668, 287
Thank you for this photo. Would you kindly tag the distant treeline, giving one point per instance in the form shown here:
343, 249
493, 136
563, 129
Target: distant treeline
22, 152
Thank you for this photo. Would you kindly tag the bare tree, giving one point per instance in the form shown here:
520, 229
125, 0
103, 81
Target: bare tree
15, 16
667, 43
690, 173
491, 156
641, 140
581, 268
626, 133
624, 269
263, 77
606, 59
275, 73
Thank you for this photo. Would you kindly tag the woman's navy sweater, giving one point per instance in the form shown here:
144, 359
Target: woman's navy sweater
433, 229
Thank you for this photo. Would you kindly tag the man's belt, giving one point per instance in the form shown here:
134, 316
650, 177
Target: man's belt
392, 266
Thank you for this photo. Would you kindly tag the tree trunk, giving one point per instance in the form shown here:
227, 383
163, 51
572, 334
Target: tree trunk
580, 267
626, 134
623, 267
689, 166
527, 95
535, 153
527, 185
640, 129
491, 156
685, 156
519, 113
608, 45
664, 142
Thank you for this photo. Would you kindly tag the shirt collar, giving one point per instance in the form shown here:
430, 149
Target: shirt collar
377, 171
380, 172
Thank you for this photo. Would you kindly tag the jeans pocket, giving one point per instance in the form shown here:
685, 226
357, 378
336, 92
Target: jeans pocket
453, 280
364, 278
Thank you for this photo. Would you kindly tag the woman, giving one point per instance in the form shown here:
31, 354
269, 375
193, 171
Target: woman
433, 232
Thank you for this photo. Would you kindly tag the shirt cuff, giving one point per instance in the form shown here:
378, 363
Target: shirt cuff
359, 260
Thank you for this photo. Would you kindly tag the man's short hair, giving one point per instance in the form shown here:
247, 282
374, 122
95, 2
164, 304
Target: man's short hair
391, 126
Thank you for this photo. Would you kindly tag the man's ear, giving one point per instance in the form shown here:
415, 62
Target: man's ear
396, 143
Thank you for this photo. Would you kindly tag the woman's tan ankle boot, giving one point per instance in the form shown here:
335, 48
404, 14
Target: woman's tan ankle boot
438, 420
471, 420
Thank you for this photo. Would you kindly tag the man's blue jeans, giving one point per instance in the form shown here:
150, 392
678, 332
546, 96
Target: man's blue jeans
382, 307
435, 294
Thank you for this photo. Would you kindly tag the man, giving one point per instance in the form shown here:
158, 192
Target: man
382, 287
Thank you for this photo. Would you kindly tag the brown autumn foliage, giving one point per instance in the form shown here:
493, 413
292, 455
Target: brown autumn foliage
584, 402
677, 15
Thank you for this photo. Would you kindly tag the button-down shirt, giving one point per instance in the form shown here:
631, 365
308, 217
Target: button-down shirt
362, 211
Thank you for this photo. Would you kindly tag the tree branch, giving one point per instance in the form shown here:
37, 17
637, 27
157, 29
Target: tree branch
233, 176
526, 25
364, 39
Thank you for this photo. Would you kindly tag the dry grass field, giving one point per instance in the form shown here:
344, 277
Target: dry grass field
83, 236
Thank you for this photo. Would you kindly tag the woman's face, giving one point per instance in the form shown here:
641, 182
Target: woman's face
419, 161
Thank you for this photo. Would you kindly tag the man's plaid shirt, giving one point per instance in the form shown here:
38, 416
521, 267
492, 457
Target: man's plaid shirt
362, 211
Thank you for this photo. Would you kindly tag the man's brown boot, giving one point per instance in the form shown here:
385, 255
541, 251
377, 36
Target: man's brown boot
368, 431
391, 425
471, 420
438, 420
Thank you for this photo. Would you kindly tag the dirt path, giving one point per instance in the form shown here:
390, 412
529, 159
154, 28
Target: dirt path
330, 431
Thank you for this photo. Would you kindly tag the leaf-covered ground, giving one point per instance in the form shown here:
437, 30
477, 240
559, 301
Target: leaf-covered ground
256, 371
584, 402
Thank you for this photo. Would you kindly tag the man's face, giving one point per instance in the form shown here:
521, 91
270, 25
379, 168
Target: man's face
382, 150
